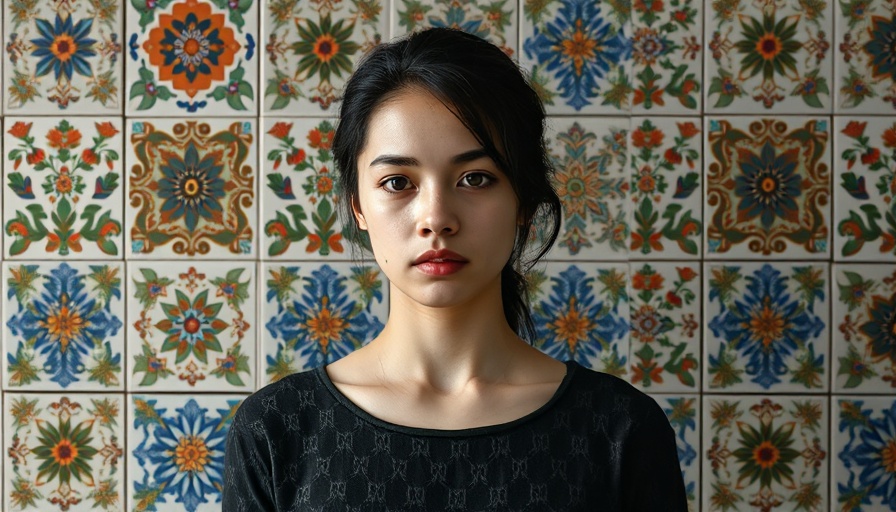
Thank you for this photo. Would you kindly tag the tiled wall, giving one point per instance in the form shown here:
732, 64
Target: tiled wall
170, 244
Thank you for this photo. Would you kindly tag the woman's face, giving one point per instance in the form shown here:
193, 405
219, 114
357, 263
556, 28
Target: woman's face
441, 216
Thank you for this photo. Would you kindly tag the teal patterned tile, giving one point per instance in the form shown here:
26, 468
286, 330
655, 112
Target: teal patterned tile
494, 20
683, 412
864, 70
863, 453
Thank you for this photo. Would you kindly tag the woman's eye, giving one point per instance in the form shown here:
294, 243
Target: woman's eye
396, 183
477, 179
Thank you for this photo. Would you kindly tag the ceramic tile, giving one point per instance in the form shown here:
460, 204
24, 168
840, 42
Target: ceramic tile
316, 313
581, 312
667, 220
191, 329
772, 56
494, 20
191, 189
312, 47
299, 199
579, 54
64, 452
864, 341
63, 325
192, 56
766, 327
865, 167
768, 188
589, 157
864, 69
765, 453
176, 451
667, 64
683, 412
665, 320
863, 442
62, 57
63, 193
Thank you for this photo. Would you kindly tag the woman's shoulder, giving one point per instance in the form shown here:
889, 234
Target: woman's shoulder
289, 395
610, 396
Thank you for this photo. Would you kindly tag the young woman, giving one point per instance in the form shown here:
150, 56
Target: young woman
443, 164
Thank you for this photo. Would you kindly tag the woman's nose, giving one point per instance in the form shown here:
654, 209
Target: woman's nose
436, 214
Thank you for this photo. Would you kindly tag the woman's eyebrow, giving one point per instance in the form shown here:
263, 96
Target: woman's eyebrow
409, 161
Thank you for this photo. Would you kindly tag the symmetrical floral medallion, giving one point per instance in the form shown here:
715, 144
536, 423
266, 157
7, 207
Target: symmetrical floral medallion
494, 21
865, 193
581, 313
768, 188
666, 199
766, 327
770, 55
765, 454
683, 412
665, 321
312, 47
579, 53
62, 57
864, 67
63, 188
192, 56
176, 451
191, 329
299, 200
63, 452
63, 325
863, 448
315, 314
191, 189
589, 158
667, 64
864, 341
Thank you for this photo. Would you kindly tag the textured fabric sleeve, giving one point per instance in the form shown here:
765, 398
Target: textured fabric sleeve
651, 474
248, 476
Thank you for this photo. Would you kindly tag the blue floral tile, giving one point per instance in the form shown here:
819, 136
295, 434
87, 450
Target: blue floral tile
579, 54
176, 451
864, 341
683, 412
64, 452
316, 313
311, 48
589, 157
766, 327
191, 327
63, 326
63, 57
581, 313
765, 453
863, 451
864, 71
494, 21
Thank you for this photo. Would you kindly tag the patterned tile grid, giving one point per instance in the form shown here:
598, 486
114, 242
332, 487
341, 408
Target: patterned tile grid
625, 276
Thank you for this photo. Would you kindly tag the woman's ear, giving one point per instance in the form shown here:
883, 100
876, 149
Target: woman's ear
359, 217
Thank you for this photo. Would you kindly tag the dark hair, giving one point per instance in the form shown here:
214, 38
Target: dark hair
490, 95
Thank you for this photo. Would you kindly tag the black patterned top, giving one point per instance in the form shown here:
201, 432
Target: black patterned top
598, 444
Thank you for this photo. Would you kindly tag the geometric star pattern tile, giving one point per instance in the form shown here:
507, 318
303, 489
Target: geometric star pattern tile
63, 325
768, 188
493, 20
191, 189
579, 54
864, 339
665, 320
63, 194
589, 158
176, 457
666, 189
581, 313
191, 329
62, 57
311, 49
192, 57
765, 453
865, 193
863, 437
864, 69
683, 412
771, 56
316, 313
63, 452
766, 327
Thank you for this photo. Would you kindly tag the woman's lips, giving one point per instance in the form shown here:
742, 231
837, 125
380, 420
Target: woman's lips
440, 263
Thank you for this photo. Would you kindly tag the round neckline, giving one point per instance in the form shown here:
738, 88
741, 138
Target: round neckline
324, 378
